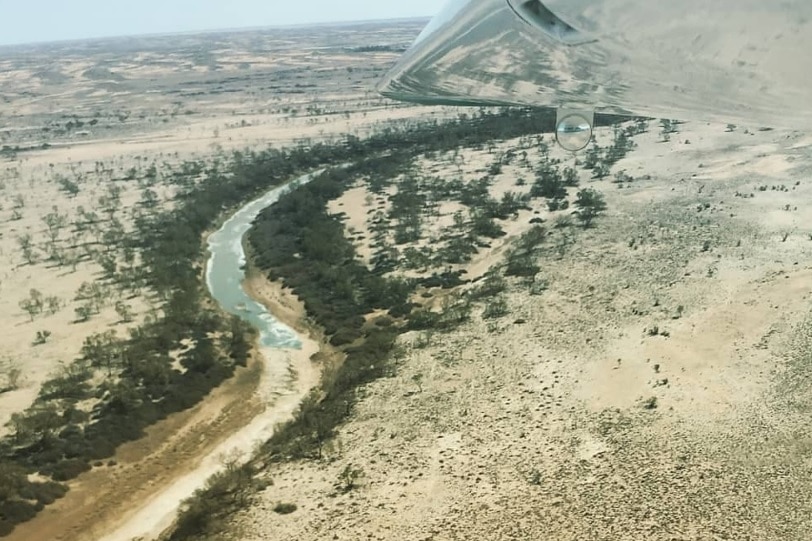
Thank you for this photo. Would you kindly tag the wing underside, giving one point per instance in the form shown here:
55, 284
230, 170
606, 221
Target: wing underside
740, 61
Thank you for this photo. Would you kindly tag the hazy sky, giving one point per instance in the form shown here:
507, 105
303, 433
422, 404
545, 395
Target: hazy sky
25, 21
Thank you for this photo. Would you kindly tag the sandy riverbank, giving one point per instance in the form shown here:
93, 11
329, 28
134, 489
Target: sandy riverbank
278, 399
138, 495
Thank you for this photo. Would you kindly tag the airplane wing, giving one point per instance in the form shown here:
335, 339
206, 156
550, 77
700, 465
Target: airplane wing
731, 61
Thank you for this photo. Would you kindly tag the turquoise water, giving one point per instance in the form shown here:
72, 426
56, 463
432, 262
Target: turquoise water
225, 271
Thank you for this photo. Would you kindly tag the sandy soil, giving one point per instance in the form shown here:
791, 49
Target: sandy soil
571, 418
111, 494
566, 419
35, 183
138, 495
153, 103
165, 131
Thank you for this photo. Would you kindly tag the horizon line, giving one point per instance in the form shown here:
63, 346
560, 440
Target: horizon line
236, 29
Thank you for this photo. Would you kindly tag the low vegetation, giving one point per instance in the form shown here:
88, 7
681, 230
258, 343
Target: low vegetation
119, 385
298, 241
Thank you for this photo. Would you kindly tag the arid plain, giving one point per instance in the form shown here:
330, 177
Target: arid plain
650, 381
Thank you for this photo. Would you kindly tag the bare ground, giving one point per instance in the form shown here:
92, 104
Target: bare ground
75, 121
531, 425
658, 389
137, 494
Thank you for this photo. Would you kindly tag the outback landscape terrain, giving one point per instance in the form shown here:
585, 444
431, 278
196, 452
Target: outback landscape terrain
501, 340
647, 382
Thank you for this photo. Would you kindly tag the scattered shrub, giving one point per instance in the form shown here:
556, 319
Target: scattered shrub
68, 469
495, 308
284, 508
649, 403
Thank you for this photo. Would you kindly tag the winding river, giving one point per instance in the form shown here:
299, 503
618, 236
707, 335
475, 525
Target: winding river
225, 272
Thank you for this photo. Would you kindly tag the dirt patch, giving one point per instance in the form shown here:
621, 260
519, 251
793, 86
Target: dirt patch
105, 497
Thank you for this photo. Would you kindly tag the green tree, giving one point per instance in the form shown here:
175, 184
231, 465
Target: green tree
54, 304
548, 184
108, 263
590, 203
600, 171
36, 423
42, 337
124, 311
570, 177
149, 198
29, 308
27, 247
68, 186
83, 312
102, 350
667, 128
55, 222
34, 304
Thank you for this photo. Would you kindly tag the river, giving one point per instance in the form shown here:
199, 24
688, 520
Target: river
225, 272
